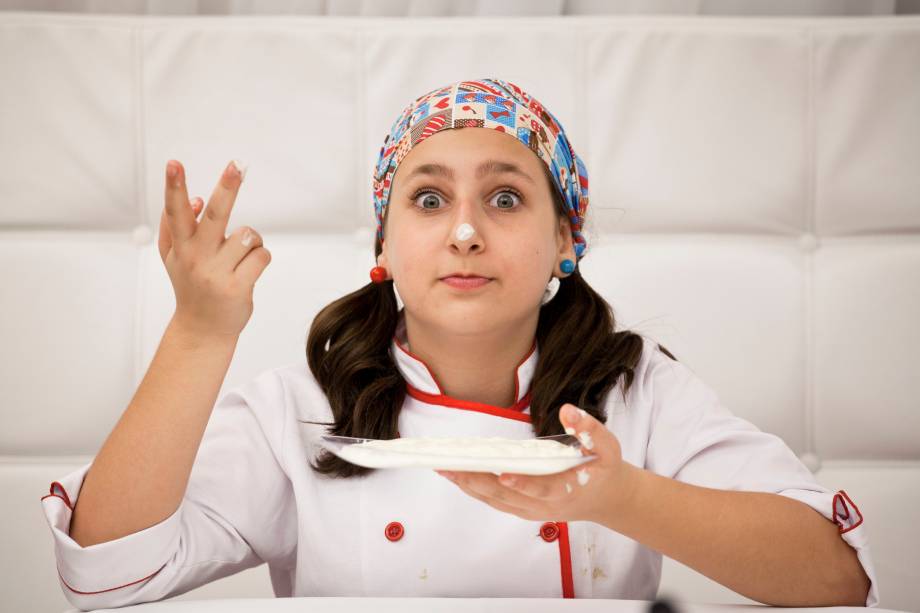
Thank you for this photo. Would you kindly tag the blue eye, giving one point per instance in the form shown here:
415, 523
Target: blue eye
431, 199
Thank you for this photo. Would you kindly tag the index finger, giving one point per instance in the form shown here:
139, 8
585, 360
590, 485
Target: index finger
213, 225
179, 217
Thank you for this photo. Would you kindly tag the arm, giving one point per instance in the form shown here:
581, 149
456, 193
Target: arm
767, 547
153, 445
237, 512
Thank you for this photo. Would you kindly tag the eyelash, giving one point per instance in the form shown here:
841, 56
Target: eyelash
426, 190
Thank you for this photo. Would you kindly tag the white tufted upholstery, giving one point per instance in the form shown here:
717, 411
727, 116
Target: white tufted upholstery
755, 204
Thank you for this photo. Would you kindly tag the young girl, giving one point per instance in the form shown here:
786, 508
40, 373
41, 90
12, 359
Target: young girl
481, 231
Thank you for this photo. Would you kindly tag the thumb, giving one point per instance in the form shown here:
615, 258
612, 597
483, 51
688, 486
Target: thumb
595, 438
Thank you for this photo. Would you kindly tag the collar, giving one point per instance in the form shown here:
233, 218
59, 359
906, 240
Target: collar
422, 383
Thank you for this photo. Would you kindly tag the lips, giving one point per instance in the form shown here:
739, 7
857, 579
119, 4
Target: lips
466, 282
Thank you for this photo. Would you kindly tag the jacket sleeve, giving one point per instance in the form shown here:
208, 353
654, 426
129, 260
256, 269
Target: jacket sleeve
237, 513
695, 439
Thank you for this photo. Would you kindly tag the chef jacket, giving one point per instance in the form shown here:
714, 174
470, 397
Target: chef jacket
252, 498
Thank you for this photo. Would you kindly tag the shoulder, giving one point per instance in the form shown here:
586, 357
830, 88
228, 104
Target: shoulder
275, 396
302, 393
656, 375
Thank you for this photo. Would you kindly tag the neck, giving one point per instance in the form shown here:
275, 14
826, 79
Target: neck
479, 367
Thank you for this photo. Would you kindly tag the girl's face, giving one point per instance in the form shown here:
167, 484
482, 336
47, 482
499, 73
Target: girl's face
494, 183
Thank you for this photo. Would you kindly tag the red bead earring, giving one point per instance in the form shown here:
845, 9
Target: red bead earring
378, 274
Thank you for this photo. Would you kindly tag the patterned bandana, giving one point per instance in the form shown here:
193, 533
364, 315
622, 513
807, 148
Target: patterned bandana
495, 104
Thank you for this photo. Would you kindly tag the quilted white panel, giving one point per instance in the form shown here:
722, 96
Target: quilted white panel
69, 308
68, 137
866, 150
707, 132
867, 297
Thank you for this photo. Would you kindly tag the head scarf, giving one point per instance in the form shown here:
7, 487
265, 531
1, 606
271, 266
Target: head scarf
499, 105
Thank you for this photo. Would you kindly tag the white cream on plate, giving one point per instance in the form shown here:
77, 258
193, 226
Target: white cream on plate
475, 447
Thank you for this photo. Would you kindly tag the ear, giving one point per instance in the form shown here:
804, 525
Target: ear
382, 259
564, 241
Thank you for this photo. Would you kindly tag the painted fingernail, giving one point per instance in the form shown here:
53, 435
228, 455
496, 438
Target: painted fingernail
568, 488
585, 438
582, 412
583, 477
570, 430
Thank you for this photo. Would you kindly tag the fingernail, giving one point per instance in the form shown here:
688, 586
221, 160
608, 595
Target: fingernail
240, 168
583, 477
570, 430
509, 481
585, 438
172, 172
247, 238
571, 414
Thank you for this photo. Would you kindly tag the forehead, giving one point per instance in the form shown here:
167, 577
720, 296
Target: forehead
463, 149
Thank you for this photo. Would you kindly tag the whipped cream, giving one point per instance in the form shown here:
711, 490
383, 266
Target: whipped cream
474, 447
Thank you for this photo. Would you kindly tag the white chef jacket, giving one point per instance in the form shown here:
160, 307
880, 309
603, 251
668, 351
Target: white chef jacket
253, 498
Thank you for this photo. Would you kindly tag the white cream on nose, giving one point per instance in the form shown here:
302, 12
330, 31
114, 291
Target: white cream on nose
464, 231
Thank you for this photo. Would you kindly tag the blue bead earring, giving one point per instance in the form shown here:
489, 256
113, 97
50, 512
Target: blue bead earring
567, 266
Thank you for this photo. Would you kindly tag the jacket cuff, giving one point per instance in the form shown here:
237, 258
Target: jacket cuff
841, 510
113, 565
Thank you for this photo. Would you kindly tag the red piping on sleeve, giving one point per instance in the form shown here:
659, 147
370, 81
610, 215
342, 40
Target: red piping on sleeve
111, 588
63, 497
840, 518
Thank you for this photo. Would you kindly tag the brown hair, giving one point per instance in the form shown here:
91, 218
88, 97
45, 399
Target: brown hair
581, 356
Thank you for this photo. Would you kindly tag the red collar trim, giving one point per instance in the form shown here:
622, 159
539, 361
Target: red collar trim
515, 411
517, 377
430, 374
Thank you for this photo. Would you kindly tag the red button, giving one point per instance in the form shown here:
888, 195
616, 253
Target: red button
394, 531
549, 531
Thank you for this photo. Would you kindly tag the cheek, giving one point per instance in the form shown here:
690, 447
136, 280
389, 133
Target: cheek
410, 258
527, 261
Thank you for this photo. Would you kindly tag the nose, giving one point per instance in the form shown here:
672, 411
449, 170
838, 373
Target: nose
465, 236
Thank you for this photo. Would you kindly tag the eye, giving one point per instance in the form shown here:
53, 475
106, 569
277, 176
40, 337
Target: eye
506, 203
430, 202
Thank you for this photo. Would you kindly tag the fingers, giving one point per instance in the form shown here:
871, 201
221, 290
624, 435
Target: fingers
501, 501
488, 487
178, 217
549, 487
252, 266
595, 437
213, 226
243, 252
165, 238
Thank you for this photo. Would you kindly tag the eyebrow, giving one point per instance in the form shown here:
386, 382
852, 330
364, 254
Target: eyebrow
489, 167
